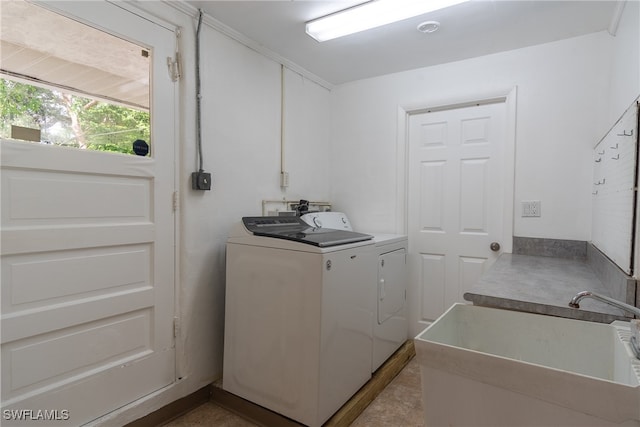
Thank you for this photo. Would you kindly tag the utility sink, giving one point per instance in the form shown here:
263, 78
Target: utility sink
486, 366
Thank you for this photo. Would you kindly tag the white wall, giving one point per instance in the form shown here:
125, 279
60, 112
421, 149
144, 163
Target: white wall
569, 93
560, 114
241, 108
625, 62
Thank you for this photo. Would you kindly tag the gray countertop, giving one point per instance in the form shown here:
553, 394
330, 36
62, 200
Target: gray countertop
543, 285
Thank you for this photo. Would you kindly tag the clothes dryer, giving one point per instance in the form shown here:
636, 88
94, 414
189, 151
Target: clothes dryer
391, 321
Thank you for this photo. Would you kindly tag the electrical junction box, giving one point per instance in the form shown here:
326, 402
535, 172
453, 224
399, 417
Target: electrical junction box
201, 181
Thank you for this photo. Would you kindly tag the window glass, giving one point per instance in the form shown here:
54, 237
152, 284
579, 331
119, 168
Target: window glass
65, 83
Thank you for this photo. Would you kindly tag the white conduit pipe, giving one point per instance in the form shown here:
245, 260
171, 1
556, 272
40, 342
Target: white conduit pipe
284, 176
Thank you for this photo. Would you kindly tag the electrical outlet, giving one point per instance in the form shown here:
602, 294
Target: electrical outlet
531, 208
201, 181
535, 208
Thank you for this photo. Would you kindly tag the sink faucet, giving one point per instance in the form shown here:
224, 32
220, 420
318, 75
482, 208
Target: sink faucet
635, 346
588, 294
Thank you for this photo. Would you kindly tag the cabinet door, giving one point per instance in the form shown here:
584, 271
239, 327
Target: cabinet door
392, 283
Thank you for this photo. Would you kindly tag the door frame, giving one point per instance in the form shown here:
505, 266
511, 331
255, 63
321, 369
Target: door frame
404, 112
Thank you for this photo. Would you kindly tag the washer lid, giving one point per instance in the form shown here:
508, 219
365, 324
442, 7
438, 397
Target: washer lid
294, 228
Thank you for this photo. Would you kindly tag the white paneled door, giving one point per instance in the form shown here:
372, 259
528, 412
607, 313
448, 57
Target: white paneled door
455, 201
88, 261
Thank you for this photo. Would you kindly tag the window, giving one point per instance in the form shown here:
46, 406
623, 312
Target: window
57, 88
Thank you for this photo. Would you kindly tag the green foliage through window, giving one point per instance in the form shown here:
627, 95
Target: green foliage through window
70, 120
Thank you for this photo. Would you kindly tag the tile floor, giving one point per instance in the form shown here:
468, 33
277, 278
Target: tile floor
399, 404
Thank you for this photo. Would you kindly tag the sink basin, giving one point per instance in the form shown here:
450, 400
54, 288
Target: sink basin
485, 366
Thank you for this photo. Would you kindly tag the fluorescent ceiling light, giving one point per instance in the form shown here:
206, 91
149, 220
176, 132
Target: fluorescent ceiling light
370, 15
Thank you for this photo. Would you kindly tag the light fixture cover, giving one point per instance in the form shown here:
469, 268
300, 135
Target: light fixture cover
370, 15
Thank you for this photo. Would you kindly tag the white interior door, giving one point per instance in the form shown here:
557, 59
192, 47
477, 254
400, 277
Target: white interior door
455, 201
88, 261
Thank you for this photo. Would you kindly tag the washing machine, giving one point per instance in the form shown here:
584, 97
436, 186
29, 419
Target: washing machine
298, 313
391, 321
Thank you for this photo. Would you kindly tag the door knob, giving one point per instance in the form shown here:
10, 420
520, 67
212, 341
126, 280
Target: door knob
495, 246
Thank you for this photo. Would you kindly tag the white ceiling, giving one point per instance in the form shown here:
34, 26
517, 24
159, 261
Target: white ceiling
472, 29
56, 50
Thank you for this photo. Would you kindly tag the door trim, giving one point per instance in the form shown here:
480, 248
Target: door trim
509, 97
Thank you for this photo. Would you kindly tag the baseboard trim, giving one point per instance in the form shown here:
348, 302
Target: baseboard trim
250, 411
174, 409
